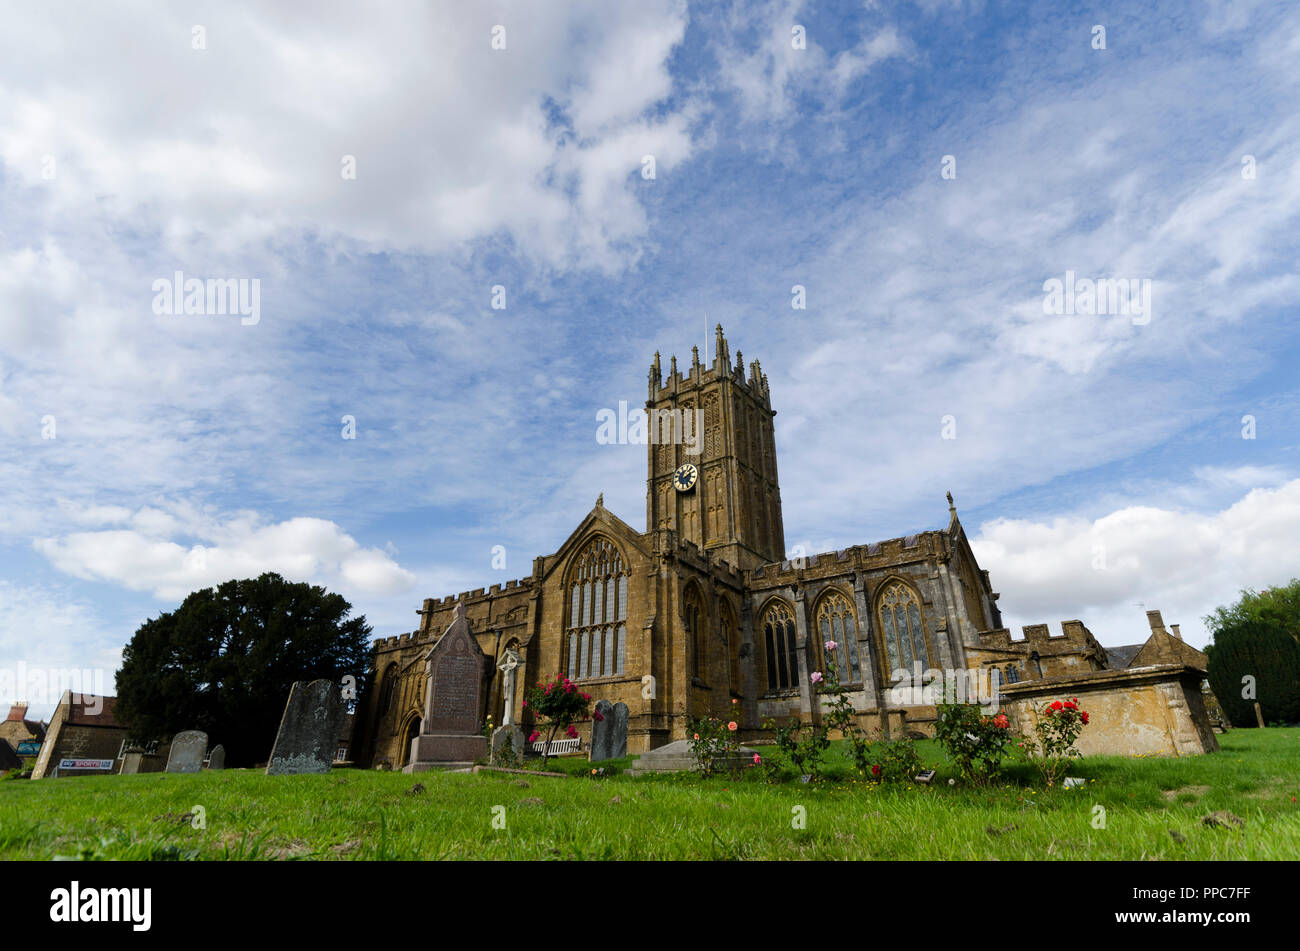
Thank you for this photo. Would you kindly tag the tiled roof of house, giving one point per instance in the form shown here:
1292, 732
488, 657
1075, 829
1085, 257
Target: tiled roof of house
1120, 657
83, 710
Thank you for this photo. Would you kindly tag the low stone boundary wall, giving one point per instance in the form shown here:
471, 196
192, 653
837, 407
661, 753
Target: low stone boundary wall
1156, 710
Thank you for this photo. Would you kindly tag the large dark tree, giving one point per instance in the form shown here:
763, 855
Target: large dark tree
223, 662
1259, 636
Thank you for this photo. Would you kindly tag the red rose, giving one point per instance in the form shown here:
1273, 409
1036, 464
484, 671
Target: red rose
875, 769
1085, 717
1056, 705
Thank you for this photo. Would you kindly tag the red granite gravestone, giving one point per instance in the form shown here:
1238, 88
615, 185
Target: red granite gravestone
454, 670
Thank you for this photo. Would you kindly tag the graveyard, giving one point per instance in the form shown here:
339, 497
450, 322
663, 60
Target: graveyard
1238, 803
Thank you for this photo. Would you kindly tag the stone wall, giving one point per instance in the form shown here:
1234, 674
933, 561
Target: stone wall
1153, 710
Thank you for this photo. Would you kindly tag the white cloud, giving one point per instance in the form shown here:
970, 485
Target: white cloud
453, 140
767, 73
50, 641
1182, 563
145, 558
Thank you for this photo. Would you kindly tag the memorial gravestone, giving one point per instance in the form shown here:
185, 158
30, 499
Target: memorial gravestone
454, 670
618, 746
602, 732
187, 751
217, 758
609, 731
508, 733
309, 730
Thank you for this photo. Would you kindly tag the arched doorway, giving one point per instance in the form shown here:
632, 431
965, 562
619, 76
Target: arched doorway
408, 735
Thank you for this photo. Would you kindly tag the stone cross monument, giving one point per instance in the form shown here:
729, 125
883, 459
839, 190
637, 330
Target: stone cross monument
510, 662
508, 731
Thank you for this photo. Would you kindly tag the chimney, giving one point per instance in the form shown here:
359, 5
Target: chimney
1157, 622
1174, 628
17, 712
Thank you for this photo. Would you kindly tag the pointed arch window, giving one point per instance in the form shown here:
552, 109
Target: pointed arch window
386, 691
696, 622
901, 629
597, 630
837, 622
728, 630
779, 640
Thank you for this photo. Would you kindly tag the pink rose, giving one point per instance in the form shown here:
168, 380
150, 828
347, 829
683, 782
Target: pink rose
816, 677
831, 645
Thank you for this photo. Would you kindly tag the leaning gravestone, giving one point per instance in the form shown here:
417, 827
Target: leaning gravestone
217, 758
309, 730
454, 670
187, 751
618, 741
602, 732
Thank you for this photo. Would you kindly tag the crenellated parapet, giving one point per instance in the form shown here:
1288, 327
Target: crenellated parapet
397, 642
688, 552
894, 552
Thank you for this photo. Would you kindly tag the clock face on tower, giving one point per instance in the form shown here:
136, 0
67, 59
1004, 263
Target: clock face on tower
684, 478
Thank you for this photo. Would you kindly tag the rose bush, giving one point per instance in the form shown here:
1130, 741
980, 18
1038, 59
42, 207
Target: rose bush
558, 704
976, 743
1051, 746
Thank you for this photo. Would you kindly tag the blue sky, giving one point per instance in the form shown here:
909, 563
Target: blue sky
1099, 462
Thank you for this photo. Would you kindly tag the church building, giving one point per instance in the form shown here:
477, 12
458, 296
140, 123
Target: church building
704, 607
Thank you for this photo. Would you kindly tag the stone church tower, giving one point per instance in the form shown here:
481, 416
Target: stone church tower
701, 613
719, 422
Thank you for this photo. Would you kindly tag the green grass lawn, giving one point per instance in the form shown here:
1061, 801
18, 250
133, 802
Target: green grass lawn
353, 814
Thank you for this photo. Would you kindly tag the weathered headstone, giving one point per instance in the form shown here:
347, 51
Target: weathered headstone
602, 732
618, 742
508, 735
132, 759
217, 758
187, 751
309, 730
454, 670
678, 756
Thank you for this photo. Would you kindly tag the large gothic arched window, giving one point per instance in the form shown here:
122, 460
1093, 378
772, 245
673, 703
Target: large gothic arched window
779, 641
597, 612
901, 630
836, 622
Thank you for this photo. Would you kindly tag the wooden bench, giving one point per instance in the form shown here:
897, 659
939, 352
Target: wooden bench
559, 746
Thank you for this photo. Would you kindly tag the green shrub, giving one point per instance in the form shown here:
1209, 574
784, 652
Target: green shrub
1258, 637
975, 743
